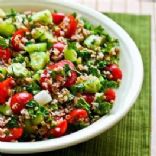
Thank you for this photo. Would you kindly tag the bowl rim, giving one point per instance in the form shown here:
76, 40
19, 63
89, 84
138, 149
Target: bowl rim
89, 132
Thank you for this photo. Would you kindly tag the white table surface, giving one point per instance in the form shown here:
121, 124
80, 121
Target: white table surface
144, 7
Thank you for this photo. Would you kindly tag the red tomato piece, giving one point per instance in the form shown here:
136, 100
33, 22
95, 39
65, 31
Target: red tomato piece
71, 29
5, 87
59, 46
17, 38
19, 100
71, 80
58, 18
15, 134
77, 115
60, 129
89, 97
115, 72
5, 54
109, 95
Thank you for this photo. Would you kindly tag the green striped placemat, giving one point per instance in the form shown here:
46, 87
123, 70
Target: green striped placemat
131, 137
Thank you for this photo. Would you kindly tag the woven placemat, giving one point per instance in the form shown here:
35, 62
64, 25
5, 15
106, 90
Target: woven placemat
130, 137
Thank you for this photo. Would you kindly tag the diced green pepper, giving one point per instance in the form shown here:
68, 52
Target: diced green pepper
7, 29
36, 47
43, 17
39, 60
70, 54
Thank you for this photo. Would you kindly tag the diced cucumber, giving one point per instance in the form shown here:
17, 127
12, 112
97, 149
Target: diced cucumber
92, 85
18, 70
43, 17
70, 54
93, 41
42, 35
39, 60
7, 29
38, 119
36, 47
5, 110
47, 36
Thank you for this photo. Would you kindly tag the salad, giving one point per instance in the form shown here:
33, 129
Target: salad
58, 73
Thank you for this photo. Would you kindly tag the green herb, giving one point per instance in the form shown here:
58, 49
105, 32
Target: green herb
87, 24
81, 103
12, 13
35, 109
67, 70
55, 11
83, 54
3, 43
72, 45
33, 88
49, 45
13, 122
27, 43
74, 14
109, 45
18, 59
53, 74
94, 71
102, 108
32, 104
107, 83
99, 30
77, 88
101, 64
54, 106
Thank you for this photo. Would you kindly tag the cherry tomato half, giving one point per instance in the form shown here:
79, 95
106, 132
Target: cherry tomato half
17, 38
19, 100
5, 87
60, 129
77, 115
109, 95
15, 134
88, 97
71, 29
58, 18
5, 54
71, 80
116, 73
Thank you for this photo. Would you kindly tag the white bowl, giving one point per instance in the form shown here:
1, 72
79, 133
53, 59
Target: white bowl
130, 61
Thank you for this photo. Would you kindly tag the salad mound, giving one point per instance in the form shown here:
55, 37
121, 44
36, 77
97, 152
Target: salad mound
58, 73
